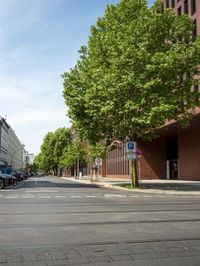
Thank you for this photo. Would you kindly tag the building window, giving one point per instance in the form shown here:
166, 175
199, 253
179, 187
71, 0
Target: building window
194, 31
167, 3
172, 3
193, 6
186, 6
179, 11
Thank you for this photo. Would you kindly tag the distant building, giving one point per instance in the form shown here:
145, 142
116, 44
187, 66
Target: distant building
11, 149
31, 158
4, 128
15, 150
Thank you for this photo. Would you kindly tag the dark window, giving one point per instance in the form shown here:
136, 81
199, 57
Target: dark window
186, 6
194, 31
179, 11
172, 148
193, 6
172, 3
167, 3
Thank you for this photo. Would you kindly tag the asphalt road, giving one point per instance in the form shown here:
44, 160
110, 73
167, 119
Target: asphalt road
50, 221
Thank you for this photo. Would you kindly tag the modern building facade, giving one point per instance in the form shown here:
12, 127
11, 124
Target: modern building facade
190, 7
175, 154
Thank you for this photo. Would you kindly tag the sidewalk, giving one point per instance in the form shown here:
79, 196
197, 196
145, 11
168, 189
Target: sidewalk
171, 187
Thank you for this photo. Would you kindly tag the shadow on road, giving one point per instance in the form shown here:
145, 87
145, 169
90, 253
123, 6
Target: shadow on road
49, 184
177, 186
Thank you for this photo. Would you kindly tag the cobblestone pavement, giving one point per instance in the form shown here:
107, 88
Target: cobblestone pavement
140, 253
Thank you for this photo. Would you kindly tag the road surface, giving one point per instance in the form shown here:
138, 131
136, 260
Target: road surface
51, 221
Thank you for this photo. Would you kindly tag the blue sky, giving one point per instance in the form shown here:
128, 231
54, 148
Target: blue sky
39, 40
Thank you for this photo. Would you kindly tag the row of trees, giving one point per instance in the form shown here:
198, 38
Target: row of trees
59, 151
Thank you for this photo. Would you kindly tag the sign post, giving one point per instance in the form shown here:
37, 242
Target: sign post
139, 155
98, 162
131, 152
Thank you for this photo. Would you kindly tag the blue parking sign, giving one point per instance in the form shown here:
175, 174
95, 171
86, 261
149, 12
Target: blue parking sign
131, 146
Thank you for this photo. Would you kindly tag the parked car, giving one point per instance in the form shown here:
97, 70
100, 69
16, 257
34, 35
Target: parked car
22, 175
5, 180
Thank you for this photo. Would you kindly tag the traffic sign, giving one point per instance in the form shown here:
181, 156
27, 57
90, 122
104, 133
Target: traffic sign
131, 147
98, 161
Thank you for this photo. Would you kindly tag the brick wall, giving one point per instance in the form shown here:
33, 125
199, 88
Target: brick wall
189, 154
153, 162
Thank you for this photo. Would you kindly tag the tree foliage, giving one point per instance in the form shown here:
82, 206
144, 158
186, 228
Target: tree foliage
135, 73
53, 149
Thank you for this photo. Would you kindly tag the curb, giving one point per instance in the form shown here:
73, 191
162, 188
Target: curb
148, 191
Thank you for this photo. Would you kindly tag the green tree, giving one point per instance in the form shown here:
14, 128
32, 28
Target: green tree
47, 161
61, 140
135, 73
50, 159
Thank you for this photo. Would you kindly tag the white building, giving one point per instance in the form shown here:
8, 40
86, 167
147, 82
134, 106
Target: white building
15, 150
4, 129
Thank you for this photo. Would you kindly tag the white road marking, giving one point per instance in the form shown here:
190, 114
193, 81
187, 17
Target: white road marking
60, 196
114, 196
11, 197
41, 191
75, 196
44, 197
90, 196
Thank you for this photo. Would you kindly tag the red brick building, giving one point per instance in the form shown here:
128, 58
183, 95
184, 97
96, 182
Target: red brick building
175, 155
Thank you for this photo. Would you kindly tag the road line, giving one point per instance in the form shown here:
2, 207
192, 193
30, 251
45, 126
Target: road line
72, 196
42, 191
114, 196
90, 196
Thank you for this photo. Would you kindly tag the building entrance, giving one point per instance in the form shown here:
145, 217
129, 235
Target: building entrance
172, 158
172, 169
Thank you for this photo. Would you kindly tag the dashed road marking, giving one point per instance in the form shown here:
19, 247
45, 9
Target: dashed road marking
114, 196
28, 196
85, 196
75, 196
91, 196
42, 191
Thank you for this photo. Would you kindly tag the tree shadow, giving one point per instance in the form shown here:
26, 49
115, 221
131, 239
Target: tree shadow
170, 186
49, 184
